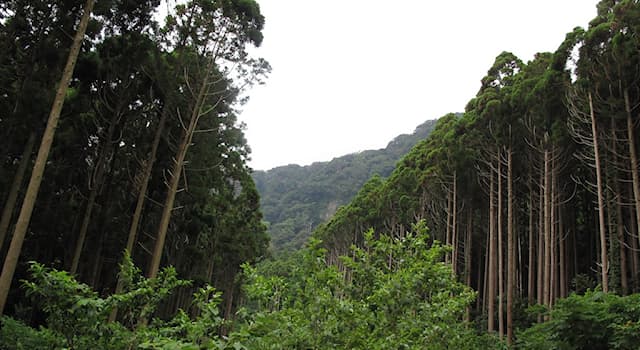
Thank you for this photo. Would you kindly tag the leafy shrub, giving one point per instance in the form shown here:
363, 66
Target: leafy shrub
77, 318
394, 293
592, 321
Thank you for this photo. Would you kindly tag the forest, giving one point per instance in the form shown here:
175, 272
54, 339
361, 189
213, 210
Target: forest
130, 218
296, 199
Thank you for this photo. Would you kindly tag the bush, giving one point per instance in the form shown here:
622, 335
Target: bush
592, 321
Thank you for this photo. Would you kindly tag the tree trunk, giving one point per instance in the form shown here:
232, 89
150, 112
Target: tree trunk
511, 255
142, 193
531, 270
500, 255
41, 159
547, 229
98, 178
484, 273
635, 262
541, 242
454, 228
447, 257
633, 158
619, 224
491, 295
176, 174
603, 232
553, 277
562, 255
467, 258
624, 283
18, 178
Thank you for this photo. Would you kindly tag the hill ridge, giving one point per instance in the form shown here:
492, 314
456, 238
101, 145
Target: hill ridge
297, 198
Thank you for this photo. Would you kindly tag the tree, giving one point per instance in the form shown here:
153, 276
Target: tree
36, 175
232, 26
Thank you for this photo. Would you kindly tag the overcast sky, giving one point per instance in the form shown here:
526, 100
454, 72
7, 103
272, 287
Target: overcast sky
349, 75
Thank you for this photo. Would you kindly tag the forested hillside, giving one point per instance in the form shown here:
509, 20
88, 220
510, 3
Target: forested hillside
296, 199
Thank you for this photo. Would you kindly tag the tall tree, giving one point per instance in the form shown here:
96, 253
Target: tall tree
24, 217
227, 29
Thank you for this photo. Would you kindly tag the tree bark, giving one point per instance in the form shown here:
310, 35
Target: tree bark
511, 255
447, 257
531, 270
541, 242
553, 277
635, 262
500, 255
619, 224
176, 173
98, 178
142, 193
24, 217
562, 264
18, 178
603, 232
467, 258
633, 158
135, 222
547, 229
491, 295
454, 228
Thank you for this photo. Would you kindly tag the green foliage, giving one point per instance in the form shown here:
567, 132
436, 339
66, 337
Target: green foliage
76, 317
131, 74
593, 321
392, 293
15, 335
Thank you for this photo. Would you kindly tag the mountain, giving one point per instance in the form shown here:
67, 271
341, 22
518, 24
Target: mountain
296, 199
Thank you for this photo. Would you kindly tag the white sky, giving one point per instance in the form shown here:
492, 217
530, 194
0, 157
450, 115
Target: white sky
349, 75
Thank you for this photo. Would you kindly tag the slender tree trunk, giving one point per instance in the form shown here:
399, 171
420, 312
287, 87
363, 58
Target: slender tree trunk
448, 232
176, 174
562, 255
137, 214
135, 222
553, 277
633, 158
485, 273
511, 255
98, 178
635, 262
491, 295
617, 202
41, 159
624, 283
97, 264
532, 250
500, 254
467, 257
547, 229
454, 228
541, 242
18, 178
603, 232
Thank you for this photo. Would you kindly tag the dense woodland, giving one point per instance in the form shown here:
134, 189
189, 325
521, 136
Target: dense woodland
535, 187
512, 225
296, 199
148, 154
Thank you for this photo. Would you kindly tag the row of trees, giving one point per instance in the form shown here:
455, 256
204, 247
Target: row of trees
536, 185
148, 154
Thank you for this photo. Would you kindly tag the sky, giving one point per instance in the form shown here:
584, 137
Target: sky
350, 75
